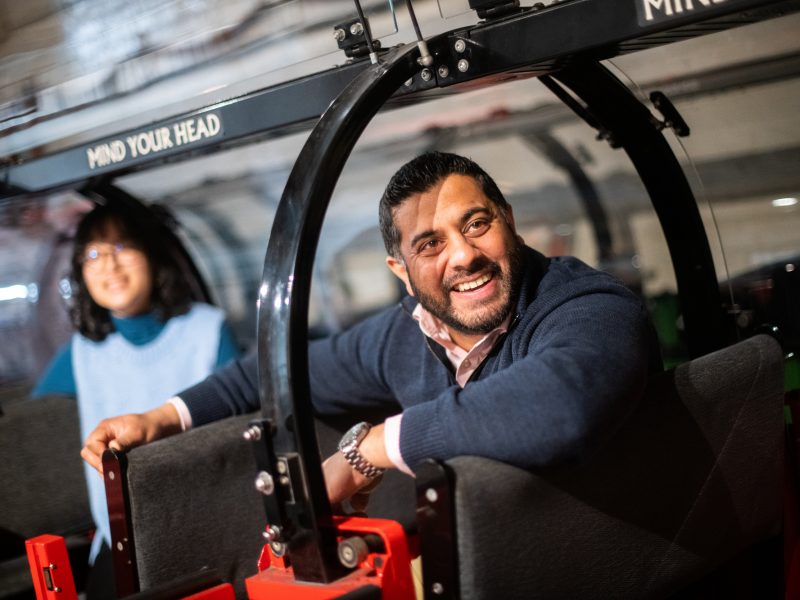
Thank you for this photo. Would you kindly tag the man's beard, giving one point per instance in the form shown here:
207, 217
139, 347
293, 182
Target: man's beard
485, 321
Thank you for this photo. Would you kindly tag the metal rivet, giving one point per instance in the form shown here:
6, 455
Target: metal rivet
264, 483
111, 475
437, 588
431, 495
339, 34
281, 466
120, 546
443, 71
460, 45
356, 28
426, 74
284, 480
252, 434
463, 65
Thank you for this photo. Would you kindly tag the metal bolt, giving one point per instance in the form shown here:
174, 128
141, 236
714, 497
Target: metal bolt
339, 34
463, 65
252, 434
356, 28
431, 495
437, 588
443, 71
460, 46
278, 548
264, 483
426, 74
409, 82
272, 533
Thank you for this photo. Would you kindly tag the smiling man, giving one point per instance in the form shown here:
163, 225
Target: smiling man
497, 351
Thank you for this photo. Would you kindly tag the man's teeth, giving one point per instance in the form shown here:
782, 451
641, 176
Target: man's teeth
463, 287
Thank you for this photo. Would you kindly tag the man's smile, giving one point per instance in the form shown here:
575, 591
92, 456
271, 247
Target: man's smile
474, 284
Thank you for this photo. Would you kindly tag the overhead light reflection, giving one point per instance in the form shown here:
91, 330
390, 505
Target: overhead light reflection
15, 292
784, 202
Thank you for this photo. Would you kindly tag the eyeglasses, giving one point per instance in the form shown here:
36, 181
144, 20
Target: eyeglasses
98, 256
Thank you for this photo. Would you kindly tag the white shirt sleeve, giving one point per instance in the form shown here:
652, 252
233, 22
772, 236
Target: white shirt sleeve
391, 441
183, 412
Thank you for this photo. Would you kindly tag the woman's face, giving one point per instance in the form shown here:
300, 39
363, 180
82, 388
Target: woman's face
117, 274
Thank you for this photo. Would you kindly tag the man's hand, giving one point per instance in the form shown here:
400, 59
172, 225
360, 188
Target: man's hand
128, 431
343, 482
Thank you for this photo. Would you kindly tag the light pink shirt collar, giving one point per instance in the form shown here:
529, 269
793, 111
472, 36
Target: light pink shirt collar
464, 362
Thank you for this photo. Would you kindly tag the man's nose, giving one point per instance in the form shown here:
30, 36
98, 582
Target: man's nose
462, 252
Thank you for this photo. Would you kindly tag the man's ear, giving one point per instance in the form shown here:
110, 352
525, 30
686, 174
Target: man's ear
398, 267
509, 214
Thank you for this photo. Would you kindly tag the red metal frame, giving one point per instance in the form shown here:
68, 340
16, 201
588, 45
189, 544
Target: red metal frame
389, 569
50, 568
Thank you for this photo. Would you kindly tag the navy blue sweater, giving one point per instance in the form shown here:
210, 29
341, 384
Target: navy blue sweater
571, 368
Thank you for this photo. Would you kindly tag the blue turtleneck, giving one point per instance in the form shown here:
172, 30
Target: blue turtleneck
140, 330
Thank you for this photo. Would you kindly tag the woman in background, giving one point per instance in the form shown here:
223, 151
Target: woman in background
139, 340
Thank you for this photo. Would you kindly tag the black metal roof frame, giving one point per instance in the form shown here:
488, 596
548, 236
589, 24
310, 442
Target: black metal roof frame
526, 44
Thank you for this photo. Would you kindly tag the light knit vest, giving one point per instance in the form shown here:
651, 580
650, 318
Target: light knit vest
115, 377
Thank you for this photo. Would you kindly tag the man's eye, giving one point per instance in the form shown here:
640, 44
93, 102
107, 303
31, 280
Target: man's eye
428, 247
477, 226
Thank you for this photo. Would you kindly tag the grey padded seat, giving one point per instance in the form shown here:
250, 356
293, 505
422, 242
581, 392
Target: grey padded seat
42, 480
694, 478
193, 505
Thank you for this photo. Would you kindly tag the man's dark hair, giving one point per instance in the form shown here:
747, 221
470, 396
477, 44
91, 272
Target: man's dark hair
421, 174
171, 294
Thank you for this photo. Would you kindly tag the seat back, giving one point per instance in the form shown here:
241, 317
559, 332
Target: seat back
41, 470
692, 479
43, 486
193, 505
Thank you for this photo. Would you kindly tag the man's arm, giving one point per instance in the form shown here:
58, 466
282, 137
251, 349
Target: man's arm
128, 431
582, 374
231, 390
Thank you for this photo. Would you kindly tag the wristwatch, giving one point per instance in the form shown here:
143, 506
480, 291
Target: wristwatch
348, 446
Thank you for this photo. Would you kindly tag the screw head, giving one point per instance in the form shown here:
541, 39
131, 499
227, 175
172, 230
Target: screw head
252, 434
426, 74
431, 495
443, 71
356, 28
463, 65
339, 34
264, 483
460, 46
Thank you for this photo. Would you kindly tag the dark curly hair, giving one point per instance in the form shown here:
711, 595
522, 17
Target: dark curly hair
171, 295
421, 174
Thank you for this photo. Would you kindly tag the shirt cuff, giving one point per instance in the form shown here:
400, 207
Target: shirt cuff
186, 416
391, 441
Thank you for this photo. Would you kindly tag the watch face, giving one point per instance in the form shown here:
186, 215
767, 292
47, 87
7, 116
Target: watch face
354, 435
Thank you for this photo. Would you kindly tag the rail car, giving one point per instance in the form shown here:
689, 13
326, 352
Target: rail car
697, 495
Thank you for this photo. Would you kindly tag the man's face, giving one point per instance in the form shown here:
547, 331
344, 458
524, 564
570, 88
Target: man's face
461, 256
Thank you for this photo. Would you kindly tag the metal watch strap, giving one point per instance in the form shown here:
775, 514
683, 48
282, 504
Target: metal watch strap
348, 446
361, 464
